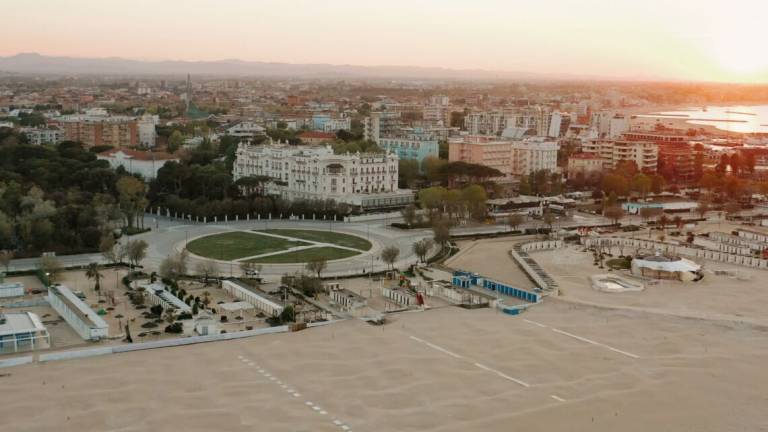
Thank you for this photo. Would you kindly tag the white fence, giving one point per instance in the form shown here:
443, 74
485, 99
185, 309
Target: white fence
707, 254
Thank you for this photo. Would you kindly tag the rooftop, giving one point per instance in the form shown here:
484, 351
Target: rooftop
15, 323
137, 154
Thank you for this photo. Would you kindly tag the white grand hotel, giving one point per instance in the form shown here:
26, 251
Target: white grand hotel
365, 180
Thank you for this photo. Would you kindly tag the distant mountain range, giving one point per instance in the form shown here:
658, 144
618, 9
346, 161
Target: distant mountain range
32, 63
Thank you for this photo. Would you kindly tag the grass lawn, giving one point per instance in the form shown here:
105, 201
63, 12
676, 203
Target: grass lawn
340, 239
234, 245
329, 253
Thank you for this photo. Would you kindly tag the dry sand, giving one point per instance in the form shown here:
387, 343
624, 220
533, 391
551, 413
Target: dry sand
490, 258
689, 375
714, 297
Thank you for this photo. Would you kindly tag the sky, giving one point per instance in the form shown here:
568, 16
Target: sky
698, 40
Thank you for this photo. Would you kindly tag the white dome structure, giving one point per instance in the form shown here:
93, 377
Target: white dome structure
666, 267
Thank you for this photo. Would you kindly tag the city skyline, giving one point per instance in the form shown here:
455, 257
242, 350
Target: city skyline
648, 41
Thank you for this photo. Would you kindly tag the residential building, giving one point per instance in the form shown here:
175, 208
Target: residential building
416, 146
618, 125
40, 136
147, 133
485, 123
313, 137
676, 161
584, 164
145, 163
380, 124
97, 128
22, 331
87, 323
491, 151
335, 125
366, 180
533, 154
643, 153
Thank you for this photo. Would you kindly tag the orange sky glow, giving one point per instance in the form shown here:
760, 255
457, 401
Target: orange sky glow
702, 40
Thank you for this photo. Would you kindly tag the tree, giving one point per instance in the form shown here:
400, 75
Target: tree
421, 248
389, 255
170, 316
136, 251
206, 299
206, 269
175, 141
174, 266
732, 208
5, 259
441, 231
548, 219
641, 184
409, 214
108, 250
663, 222
678, 222
132, 196
650, 213
515, 220
195, 309
92, 272
614, 213
317, 265
702, 208
51, 267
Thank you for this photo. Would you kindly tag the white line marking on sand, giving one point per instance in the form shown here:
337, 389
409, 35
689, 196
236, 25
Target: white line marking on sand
515, 380
534, 323
338, 422
589, 341
557, 398
436, 347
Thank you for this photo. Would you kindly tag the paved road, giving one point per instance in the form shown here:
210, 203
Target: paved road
168, 237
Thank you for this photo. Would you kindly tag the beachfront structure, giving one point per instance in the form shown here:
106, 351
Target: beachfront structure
87, 323
21, 331
644, 154
158, 294
205, 324
147, 164
417, 146
260, 302
666, 267
366, 180
15, 289
467, 280
346, 299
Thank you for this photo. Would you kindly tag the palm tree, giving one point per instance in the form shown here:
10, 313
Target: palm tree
92, 272
206, 299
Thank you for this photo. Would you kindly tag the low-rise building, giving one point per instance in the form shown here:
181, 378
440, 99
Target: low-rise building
87, 323
314, 137
8, 289
22, 331
246, 129
145, 163
158, 294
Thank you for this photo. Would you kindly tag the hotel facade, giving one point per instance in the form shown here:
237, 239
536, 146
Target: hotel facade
365, 180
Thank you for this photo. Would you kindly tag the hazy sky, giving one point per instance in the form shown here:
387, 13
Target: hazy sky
719, 40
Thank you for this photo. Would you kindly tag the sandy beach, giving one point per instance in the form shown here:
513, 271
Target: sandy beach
442, 370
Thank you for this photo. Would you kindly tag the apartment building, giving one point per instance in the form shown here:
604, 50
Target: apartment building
40, 136
584, 164
535, 118
645, 154
379, 124
416, 146
491, 151
533, 154
366, 180
101, 130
